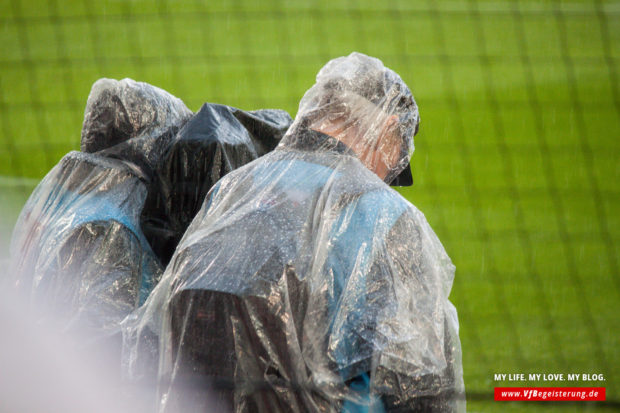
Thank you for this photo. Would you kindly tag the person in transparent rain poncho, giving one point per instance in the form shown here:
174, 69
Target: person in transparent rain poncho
305, 283
96, 233
78, 255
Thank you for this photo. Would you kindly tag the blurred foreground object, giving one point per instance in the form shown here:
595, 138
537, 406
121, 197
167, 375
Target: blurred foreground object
42, 371
305, 283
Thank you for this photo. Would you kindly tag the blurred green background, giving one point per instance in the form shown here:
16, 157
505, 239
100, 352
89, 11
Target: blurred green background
516, 164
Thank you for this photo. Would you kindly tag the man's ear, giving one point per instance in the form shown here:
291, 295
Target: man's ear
392, 120
388, 131
390, 124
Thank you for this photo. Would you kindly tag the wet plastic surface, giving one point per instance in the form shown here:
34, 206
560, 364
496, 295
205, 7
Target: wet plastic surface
118, 110
78, 252
216, 140
305, 283
79, 255
82, 247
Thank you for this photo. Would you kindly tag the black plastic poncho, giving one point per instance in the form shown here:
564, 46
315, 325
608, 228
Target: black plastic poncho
216, 140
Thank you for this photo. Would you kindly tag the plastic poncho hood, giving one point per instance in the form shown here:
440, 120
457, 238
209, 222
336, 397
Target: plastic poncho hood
118, 110
354, 99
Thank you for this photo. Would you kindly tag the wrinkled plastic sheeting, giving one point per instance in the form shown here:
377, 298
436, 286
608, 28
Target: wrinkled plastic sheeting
369, 108
180, 154
216, 140
305, 283
118, 110
82, 247
79, 256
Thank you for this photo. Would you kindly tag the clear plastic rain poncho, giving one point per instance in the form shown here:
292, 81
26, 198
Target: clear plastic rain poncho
305, 283
82, 247
78, 253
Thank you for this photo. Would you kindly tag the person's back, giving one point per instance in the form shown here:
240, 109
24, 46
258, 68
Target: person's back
305, 284
78, 251
297, 225
79, 254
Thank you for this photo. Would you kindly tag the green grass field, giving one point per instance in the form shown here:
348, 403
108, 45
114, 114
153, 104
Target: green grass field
516, 165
